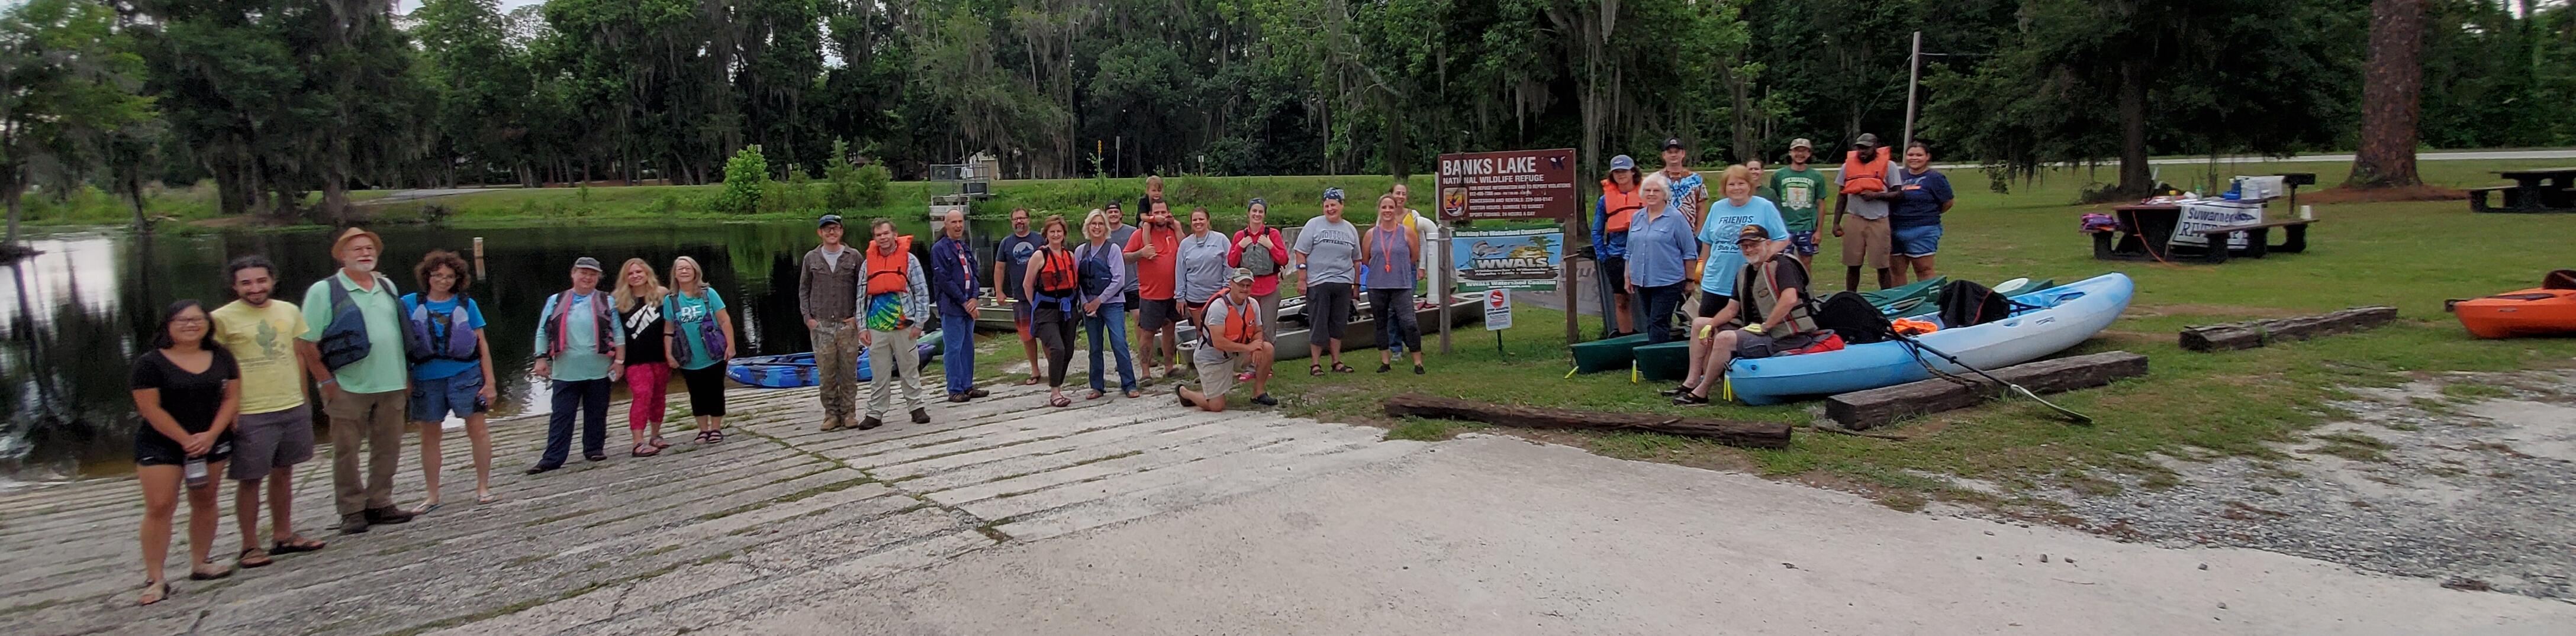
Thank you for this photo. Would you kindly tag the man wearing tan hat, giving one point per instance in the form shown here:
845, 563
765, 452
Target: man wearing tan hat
355, 327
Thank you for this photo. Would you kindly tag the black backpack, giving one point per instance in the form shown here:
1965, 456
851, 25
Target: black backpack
1964, 303
1851, 316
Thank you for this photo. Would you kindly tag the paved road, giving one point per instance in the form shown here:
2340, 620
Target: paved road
1136, 517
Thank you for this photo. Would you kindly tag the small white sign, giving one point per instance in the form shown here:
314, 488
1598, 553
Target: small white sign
1498, 309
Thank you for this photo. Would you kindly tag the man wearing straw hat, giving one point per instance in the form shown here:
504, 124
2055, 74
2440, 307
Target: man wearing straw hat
355, 325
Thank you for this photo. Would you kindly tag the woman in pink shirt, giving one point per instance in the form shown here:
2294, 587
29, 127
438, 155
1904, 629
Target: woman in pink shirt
1260, 248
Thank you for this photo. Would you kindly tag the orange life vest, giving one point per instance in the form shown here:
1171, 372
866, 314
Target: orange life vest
891, 274
1619, 205
1864, 176
1239, 327
1057, 272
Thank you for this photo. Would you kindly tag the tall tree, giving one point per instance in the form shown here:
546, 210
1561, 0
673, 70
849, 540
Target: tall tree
68, 82
2392, 85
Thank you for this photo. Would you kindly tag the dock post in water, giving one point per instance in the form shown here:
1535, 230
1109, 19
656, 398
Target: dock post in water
478, 258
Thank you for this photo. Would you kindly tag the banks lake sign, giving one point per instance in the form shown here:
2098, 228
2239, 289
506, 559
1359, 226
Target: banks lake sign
1515, 184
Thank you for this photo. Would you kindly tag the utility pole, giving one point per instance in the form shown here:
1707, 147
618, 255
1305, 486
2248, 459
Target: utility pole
1913, 74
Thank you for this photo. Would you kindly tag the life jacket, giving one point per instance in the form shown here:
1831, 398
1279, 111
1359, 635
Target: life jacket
1056, 271
603, 319
1256, 258
890, 274
440, 336
345, 341
1759, 287
1619, 206
1864, 176
1239, 325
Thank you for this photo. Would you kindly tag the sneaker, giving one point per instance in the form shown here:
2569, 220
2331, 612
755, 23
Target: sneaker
978, 393
596, 457
1384, 367
1687, 399
541, 468
353, 524
921, 416
387, 516
1185, 399
833, 424
1265, 400
870, 422
958, 398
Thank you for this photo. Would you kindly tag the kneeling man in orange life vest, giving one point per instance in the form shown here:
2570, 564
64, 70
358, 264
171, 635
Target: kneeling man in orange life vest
1230, 338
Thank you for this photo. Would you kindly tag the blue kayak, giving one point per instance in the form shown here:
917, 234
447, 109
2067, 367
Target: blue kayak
2065, 315
797, 369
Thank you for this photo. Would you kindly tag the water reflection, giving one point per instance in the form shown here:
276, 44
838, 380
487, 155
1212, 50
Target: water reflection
72, 317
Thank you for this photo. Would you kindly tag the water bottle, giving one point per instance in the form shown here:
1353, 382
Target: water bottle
196, 468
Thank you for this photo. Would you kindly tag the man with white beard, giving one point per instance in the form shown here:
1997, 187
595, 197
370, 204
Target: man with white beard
355, 324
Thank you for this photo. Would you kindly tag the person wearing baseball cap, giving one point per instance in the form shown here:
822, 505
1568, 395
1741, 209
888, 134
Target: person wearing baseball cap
827, 296
1861, 190
1771, 296
1690, 192
1230, 336
1611, 215
581, 352
1801, 194
354, 320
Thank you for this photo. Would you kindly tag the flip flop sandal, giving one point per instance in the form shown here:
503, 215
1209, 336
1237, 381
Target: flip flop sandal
644, 450
1134, 394
1032, 381
426, 509
657, 442
715, 436
1095, 395
244, 559
158, 590
295, 545
195, 575
1343, 368
1059, 401
486, 500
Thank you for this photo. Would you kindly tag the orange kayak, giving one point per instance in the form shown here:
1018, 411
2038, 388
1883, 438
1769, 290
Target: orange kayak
2545, 310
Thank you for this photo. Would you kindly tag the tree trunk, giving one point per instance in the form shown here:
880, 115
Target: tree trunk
2134, 174
10, 195
2392, 85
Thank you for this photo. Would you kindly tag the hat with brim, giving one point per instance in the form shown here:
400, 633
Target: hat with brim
1801, 142
587, 263
343, 242
1753, 233
1240, 275
1672, 143
828, 220
1622, 162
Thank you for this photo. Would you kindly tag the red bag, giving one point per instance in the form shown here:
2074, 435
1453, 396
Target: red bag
1824, 340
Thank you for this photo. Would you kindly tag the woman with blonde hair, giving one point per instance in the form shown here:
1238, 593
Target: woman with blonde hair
648, 361
700, 337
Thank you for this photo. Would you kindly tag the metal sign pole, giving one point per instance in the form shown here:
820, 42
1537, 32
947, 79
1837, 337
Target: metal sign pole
1571, 296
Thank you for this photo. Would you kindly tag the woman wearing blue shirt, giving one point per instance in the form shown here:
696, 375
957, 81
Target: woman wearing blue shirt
451, 371
1914, 223
1724, 258
1659, 250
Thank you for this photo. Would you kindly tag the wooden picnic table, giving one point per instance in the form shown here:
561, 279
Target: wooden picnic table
2146, 232
2534, 190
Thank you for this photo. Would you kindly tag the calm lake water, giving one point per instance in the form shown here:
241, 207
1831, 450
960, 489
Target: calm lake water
73, 317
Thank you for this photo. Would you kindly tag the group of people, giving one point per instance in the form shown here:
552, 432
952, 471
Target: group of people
224, 394
1747, 250
1227, 287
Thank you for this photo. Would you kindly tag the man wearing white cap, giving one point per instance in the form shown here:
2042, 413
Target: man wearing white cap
355, 325
1801, 189
581, 350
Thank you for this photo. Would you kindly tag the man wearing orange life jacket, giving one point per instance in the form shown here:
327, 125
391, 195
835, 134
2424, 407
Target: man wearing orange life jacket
1610, 216
1864, 194
1230, 335
894, 298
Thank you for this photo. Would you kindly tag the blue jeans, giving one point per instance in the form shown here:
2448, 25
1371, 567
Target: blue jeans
1655, 307
1113, 317
957, 344
591, 397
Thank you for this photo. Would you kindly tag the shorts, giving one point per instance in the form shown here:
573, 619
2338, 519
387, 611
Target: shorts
151, 448
263, 442
1754, 346
1865, 243
1918, 241
1216, 375
1710, 303
1615, 268
1021, 312
1804, 242
1135, 302
1328, 311
1158, 314
434, 400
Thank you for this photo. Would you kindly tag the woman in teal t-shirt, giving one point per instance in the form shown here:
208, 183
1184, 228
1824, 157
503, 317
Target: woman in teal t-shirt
701, 340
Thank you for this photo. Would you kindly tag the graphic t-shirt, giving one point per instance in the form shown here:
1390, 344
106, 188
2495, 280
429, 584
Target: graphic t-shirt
1725, 221
1330, 250
1014, 257
1689, 193
691, 315
438, 310
643, 326
1798, 190
262, 342
1923, 192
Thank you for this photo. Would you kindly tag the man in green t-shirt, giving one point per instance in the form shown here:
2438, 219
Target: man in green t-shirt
1802, 192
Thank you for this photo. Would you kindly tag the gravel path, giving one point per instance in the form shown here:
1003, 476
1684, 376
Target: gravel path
2475, 486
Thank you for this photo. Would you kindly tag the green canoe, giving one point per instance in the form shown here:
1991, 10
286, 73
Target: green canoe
1666, 362
1610, 354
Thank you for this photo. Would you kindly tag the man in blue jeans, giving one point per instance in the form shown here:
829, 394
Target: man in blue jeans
582, 350
952, 276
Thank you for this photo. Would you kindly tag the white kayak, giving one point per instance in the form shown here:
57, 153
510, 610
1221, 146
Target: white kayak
2065, 315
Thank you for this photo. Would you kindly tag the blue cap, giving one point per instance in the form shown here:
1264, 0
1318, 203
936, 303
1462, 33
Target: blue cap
1257, 201
1332, 194
827, 220
1622, 162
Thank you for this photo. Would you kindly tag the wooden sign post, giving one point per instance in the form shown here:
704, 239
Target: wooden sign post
1509, 185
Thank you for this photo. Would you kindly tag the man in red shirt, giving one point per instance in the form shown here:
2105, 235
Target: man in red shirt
1157, 246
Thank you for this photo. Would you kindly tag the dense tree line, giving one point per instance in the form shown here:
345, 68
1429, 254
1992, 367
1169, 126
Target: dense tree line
272, 100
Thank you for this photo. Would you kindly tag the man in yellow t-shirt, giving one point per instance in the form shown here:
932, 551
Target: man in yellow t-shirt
275, 429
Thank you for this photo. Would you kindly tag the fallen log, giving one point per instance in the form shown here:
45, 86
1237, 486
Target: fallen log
2256, 333
1862, 410
1729, 432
